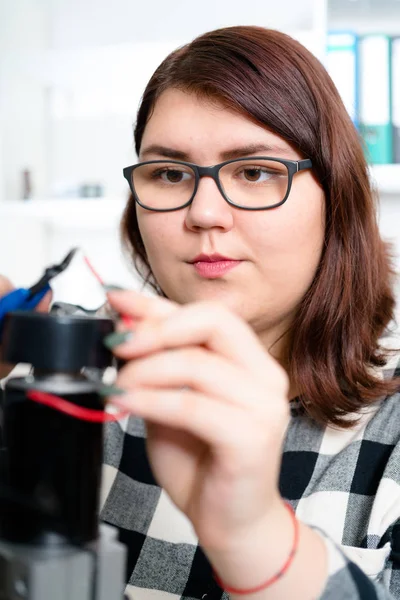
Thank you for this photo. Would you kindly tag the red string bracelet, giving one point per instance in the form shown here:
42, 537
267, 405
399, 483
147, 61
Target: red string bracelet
279, 574
73, 410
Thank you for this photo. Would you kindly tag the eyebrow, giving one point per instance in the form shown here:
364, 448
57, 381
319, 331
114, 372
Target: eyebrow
248, 150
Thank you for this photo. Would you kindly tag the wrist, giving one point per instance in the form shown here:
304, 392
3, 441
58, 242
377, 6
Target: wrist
253, 556
278, 574
255, 564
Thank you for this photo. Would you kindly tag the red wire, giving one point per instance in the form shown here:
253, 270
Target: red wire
95, 273
73, 410
127, 320
69, 408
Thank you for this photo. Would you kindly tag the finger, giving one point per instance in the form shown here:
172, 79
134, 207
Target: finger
45, 302
196, 368
5, 369
203, 323
43, 306
139, 306
5, 285
216, 423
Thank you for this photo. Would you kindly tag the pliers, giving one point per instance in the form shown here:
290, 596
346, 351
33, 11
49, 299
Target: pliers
28, 298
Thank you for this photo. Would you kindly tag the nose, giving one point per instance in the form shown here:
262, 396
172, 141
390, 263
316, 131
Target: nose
209, 209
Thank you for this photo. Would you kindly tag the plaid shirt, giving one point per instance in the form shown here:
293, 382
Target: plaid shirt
344, 483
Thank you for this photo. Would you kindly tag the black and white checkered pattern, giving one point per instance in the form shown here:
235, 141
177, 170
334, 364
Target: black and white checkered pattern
344, 483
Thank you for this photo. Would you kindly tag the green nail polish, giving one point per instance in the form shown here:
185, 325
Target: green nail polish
116, 338
112, 288
111, 390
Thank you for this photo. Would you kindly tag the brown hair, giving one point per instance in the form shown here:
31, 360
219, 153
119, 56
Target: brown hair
272, 79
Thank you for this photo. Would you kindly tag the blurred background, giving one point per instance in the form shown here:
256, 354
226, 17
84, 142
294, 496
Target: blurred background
71, 76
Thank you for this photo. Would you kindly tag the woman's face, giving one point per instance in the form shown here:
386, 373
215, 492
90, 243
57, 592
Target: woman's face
277, 250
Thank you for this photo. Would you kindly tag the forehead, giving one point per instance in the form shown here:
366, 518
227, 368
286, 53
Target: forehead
191, 124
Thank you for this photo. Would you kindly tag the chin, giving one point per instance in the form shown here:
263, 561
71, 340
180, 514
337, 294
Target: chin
232, 301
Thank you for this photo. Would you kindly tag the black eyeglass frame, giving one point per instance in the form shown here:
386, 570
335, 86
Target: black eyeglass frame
293, 167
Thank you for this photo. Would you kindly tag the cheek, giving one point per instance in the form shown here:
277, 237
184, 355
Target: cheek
292, 237
159, 231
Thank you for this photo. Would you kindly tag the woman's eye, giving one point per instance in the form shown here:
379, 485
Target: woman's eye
172, 176
256, 174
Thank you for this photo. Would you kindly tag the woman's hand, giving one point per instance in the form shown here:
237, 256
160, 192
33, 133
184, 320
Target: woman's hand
5, 287
216, 407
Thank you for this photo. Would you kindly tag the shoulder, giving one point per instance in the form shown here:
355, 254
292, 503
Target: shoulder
386, 416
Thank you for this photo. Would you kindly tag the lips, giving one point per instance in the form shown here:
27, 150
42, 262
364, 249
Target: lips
211, 258
212, 266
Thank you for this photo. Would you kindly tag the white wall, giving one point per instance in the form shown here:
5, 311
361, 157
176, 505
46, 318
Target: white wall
389, 221
78, 23
24, 29
72, 73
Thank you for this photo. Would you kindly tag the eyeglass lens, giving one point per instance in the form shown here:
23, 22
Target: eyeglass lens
251, 184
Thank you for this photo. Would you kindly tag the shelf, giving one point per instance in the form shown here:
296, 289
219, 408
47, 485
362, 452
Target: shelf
364, 16
94, 213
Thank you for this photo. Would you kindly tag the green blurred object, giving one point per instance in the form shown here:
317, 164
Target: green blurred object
378, 143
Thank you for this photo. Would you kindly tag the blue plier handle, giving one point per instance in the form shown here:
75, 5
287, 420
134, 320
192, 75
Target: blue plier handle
29, 298
21, 299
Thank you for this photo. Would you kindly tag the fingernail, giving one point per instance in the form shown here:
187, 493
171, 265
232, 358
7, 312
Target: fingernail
122, 400
127, 321
112, 288
116, 338
111, 390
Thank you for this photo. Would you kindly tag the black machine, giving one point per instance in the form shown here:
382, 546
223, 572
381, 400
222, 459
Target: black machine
51, 544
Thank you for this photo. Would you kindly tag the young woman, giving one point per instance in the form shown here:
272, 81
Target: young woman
262, 456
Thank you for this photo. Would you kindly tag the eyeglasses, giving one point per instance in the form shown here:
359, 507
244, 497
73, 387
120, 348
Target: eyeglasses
253, 183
